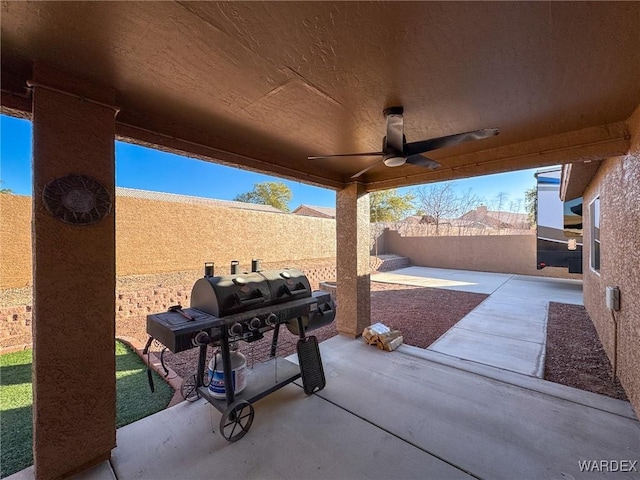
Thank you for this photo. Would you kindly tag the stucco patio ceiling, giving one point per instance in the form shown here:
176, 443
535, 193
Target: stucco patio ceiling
264, 85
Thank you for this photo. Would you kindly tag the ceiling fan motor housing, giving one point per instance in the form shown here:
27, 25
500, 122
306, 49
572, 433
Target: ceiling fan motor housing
395, 160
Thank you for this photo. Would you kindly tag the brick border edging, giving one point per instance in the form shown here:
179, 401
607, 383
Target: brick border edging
173, 379
16, 348
385, 265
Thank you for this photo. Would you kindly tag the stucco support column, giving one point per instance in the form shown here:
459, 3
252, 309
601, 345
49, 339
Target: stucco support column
353, 270
74, 398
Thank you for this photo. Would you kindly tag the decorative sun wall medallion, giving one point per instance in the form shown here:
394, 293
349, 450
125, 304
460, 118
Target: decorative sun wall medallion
77, 199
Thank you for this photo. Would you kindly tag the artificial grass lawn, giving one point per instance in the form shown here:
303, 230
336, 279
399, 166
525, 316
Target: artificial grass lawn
134, 401
15, 412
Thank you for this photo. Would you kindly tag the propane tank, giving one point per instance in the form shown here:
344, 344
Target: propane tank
216, 374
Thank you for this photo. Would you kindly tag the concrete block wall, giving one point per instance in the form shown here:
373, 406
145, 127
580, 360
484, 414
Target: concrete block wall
496, 253
150, 300
155, 236
15, 241
15, 326
158, 236
485, 253
322, 274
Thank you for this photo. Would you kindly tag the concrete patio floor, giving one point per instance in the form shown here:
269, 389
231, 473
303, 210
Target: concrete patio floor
447, 279
407, 414
509, 329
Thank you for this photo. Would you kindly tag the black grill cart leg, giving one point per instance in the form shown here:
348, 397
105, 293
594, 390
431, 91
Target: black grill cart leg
300, 328
274, 341
226, 368
202, 359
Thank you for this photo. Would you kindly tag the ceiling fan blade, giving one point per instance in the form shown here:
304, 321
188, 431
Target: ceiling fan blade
421, 161
368, 154
361, 172
422, 146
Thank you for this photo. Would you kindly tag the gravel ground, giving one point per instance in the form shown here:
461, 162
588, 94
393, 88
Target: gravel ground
575, 356
422, 314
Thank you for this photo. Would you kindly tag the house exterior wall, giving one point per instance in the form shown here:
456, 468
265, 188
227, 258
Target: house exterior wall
617, 183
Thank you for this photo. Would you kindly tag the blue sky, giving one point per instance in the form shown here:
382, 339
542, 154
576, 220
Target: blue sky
148, 169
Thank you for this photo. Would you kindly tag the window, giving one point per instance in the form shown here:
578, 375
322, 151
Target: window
594, 213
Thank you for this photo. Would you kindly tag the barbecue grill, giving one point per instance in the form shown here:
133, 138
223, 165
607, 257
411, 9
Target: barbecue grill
242, 307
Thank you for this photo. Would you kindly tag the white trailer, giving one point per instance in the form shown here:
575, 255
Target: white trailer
559, 224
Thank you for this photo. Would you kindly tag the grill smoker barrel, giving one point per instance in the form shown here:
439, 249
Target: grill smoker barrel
242, 307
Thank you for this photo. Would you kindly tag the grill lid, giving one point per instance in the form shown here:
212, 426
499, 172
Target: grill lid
228, 294
287, 284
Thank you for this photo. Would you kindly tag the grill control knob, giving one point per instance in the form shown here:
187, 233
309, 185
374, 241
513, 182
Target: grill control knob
272, 319
201, 338
236, 329
255, 323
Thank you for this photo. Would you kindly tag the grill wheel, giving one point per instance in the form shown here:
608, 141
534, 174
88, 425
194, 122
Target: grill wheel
236, 420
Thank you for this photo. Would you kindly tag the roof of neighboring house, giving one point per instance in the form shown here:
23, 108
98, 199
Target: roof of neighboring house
493, 217
315, 211
172, 197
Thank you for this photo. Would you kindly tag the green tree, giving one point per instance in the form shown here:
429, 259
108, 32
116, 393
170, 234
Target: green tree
531, 205
4, 190
276, 194
390, 206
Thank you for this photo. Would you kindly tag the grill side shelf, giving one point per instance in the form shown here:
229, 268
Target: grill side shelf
176, 332
261, 381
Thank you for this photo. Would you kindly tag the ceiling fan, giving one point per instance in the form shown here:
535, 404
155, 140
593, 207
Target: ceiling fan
396, 151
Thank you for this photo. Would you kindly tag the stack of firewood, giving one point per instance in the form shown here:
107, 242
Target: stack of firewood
382, 337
